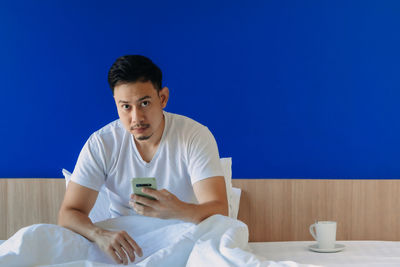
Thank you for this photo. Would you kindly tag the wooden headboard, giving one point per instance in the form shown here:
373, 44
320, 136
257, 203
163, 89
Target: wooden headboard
274, 209
28, 201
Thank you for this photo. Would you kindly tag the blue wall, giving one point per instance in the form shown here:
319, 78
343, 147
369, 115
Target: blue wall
290, 89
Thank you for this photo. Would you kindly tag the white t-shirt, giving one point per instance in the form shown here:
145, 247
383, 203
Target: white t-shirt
187, 153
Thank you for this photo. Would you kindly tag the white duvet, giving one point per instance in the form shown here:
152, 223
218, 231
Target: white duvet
217, 241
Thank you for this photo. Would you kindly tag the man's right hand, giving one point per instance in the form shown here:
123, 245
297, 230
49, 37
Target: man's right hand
74, 212
118, 245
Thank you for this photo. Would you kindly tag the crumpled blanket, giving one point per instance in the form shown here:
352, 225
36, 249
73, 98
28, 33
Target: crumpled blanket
216, 241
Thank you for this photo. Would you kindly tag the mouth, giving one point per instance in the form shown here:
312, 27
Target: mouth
140, 129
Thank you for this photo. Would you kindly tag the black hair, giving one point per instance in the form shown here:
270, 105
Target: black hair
134, 68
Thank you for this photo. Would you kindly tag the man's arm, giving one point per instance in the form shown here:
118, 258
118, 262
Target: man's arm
74, 215
210, 194
212, 197
75, 209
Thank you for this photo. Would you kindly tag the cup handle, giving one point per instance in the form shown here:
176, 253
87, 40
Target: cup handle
312, 226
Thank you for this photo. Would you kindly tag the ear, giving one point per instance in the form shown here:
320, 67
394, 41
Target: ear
164, 96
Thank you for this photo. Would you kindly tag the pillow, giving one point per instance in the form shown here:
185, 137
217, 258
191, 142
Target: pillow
233, 194
226, 164
101, 209
235, 202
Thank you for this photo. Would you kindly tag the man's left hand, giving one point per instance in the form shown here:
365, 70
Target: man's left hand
165, 206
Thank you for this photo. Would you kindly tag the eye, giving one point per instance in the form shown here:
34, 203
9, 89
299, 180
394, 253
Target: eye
126, 106
145, 103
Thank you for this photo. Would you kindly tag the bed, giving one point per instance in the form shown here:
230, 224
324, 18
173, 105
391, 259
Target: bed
276, 211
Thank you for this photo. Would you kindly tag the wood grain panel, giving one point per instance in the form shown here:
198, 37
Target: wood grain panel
274, 209
3, 209
29, 201
282, 210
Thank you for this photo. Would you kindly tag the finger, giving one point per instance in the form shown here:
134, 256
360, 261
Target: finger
114, 255
129, 249
139, 208
144, 210
131, 203
151, 192
164, 195
144, 200
121, 253
135, 246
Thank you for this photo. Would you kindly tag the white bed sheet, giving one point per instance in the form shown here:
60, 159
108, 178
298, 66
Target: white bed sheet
356, 253
218, 240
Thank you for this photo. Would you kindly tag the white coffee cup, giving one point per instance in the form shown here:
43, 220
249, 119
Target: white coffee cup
325, 234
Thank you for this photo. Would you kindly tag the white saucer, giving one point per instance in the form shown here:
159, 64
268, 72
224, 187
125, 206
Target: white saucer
337, 248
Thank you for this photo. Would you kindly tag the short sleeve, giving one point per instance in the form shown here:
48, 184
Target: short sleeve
203, 156
90, 168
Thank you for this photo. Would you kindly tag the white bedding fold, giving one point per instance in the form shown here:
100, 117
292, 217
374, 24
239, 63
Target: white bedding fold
218, 240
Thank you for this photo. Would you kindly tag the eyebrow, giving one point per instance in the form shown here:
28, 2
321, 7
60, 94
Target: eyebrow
140, 99
143, 98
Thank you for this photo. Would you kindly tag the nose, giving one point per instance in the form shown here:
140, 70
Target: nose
137, 116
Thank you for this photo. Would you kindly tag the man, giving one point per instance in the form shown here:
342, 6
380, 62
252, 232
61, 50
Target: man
146, 141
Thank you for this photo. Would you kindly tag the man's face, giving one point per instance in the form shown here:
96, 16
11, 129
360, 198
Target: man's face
140, 109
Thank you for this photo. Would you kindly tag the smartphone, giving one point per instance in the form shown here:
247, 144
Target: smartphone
139, 183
